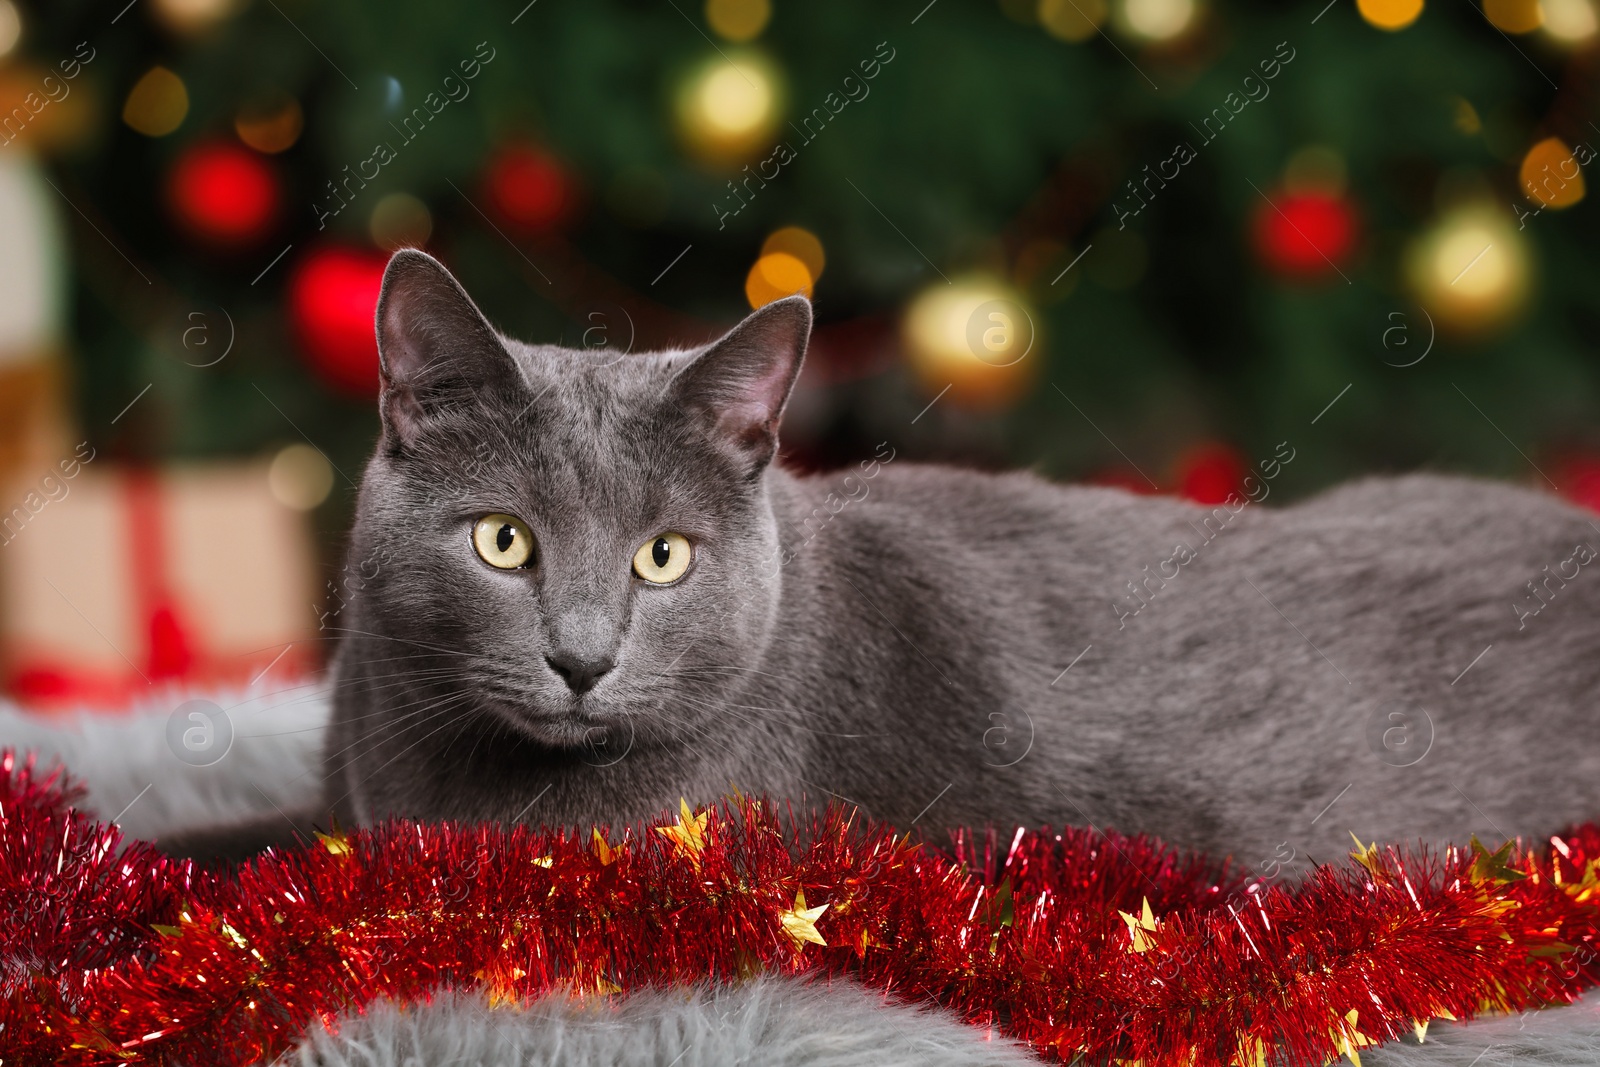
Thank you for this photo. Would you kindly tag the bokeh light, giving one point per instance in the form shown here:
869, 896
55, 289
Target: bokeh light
10, 27
271, 123
1316, 169
194, 16
738, 20
1154, 20
400, 220
729, 108
1513, 16
974, 336
1569, 21
1390, 14
300, 477
157, 103
1072, 20
800, 243
223, 192
1550, 175
777, 275
1471, 268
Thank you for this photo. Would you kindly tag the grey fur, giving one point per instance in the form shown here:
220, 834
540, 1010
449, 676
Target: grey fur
902, 649
771, 1021
124, 759
1553, 1037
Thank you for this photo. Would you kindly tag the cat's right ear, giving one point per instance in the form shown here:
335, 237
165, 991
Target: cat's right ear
435, 348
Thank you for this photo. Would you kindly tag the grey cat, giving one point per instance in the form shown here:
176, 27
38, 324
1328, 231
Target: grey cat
592, 593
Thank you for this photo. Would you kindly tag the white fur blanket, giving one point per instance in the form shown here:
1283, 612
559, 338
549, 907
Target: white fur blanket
134, 778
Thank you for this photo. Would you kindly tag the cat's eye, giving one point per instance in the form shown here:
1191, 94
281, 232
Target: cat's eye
503, 541
663, 559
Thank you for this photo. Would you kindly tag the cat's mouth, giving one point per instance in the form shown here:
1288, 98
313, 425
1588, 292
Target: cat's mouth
573, 723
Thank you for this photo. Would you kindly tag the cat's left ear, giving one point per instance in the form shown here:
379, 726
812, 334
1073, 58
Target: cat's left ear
741, 383
435, 348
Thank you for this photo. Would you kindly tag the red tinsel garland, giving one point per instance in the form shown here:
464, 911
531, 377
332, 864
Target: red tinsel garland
1114, 947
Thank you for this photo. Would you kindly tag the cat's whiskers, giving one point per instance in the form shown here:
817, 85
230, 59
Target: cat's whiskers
409, 658
441, 708
393, 720
404, 641
448, 701
716, 670
384, 711
392, 678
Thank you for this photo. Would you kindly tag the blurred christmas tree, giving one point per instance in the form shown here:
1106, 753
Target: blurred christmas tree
1142, 241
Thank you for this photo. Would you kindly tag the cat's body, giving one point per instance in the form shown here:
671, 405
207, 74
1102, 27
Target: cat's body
898, 636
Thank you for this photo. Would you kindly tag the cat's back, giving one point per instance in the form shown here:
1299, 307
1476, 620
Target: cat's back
1005, 563
1005, 518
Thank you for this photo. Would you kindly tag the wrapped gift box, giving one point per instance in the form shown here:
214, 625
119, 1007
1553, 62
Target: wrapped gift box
115, 580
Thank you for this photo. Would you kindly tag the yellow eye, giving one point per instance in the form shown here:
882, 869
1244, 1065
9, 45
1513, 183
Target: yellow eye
663, 559
503, 541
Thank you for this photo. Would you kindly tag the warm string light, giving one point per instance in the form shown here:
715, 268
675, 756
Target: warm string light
738, 20
1072, 20
1154, 20
1151, 22
157, 104
270, 123
791, 262
1390, 14
728, 109
1099, 946
1569, 21
194, 16
1471, 268
400, 220
300, 477
1513, 16
974, 337
1551, 175
10, 27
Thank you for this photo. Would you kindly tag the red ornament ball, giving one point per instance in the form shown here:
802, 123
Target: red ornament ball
333, 298
1210, 473
222, 193
1578, 476
529, 189
1305, 234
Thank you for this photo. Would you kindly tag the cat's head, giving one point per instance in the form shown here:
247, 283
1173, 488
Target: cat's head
576, 544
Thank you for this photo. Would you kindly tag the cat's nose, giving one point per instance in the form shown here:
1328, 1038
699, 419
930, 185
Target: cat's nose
578, 671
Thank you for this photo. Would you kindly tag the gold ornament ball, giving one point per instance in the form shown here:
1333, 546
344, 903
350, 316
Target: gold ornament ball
976, 336
1471, 269
729, 108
